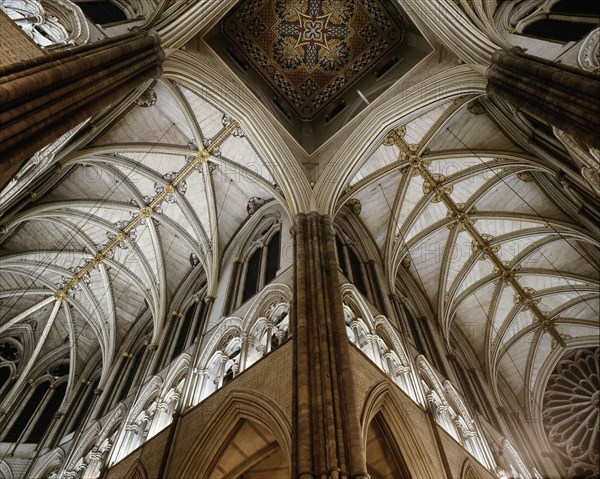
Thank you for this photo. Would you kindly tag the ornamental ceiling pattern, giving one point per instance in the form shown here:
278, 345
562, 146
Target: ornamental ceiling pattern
461, 214
462, 223
137, 215
312, 51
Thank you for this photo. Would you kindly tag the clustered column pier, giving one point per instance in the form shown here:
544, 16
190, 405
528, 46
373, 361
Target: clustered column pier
327, 437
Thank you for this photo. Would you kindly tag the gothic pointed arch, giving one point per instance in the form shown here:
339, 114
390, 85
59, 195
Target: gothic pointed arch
467, 471
87, 442
413, 456
138, 471
5, 471
256, 254
155, 258
49, 463
239, 406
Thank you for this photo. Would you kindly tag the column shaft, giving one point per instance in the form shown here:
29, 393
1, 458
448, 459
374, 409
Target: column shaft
327, 434
560, 95
43, 98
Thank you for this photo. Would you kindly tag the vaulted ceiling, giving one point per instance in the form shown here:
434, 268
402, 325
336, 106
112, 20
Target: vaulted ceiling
116, 199
454, 208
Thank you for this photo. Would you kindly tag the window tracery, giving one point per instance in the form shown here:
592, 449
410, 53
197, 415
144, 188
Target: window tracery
589, 53
81, 405
135, 429
350, 261
82, 456
376, 338
103, 12
257, 264
570, 411
100, 453
11, 352
166, 405
220, 360
553, 20
31, 417
5, 471
130, 364
269, 332
127, 374
451, 414
373, 339
49, 24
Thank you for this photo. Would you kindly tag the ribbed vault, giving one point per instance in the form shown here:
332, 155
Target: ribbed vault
453, 203
159, 193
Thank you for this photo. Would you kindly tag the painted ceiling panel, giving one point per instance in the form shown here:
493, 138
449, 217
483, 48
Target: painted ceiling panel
168, 106
514, 365
511, 248
501, 226
241, 152
40, 235
414, 194
427, 260
515, 241
311, 53
459, 257
517, 196
480, 269
91, 183
159, 163
198, 200
472, 318
209, 117
416, 129
522, 320
431, 214
543, 348
463, 132
142, 125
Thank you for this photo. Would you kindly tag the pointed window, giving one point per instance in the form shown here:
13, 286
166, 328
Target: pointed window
257, 268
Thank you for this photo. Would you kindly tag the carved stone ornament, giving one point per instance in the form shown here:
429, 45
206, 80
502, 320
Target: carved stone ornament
406, 261
354, 206
475, 107
146, 99
589, 53
571, 411
254, 204
525, 176
592, 176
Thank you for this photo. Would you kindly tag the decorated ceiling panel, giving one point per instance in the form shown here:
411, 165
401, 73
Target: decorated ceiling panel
312, 51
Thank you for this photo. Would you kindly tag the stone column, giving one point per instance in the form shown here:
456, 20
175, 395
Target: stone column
326, 427
44, 97
564, 97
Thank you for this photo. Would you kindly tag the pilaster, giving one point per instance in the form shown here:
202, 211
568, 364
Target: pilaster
46, 96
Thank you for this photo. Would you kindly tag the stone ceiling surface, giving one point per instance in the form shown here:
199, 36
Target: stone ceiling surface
312, 51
